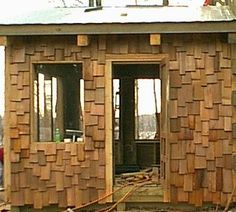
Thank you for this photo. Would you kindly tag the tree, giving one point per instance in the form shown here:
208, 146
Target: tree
66, 3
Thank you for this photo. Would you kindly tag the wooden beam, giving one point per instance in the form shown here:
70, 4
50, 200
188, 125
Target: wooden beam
231, 37
3, 40
6, 128
108, 128
155, 39
82, 40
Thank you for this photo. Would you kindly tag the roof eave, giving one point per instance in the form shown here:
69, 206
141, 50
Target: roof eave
118, 28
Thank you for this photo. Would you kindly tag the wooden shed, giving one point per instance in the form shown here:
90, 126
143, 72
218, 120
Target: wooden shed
85, 72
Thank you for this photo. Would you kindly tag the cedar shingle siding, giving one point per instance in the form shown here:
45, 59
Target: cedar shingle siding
200, 117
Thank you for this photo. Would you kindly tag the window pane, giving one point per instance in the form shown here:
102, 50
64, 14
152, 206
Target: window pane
147, 108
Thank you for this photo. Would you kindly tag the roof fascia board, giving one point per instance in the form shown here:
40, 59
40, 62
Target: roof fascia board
114, 28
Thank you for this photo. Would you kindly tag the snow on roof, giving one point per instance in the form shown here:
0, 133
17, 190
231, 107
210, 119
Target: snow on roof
106, 15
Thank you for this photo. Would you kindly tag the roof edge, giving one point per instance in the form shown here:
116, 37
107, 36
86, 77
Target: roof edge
118, 28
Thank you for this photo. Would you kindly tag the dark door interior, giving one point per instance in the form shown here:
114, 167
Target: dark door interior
136, 112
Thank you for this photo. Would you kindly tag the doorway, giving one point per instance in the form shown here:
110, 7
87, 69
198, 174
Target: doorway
136, 116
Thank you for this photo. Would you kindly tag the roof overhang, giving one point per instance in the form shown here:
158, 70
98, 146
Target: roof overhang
118, 28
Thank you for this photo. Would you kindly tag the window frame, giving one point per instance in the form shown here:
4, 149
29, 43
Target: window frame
163, 60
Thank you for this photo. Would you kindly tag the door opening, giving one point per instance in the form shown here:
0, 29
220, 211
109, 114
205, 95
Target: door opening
136, 116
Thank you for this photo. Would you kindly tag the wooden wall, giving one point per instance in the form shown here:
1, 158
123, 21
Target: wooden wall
200, 119
49, 173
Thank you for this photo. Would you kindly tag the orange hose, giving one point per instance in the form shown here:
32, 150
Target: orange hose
104, 197
135, 187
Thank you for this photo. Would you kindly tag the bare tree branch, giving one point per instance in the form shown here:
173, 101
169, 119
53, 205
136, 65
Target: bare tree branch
64, 3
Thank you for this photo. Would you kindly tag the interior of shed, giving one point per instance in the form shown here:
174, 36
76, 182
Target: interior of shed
136, 117
58, 101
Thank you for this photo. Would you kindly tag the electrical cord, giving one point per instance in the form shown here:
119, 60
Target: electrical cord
105, 196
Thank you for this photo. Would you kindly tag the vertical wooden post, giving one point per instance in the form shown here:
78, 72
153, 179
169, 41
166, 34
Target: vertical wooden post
127, 126
233, 67
6, 138
108, 128
165, 129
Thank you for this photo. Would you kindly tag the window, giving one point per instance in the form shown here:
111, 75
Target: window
147, 116
147, 108
58, 100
